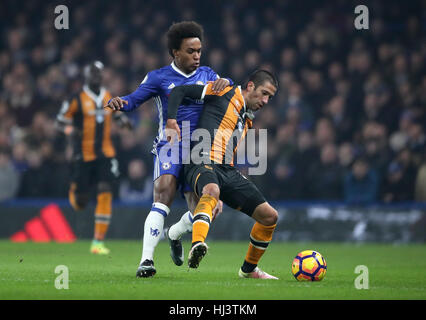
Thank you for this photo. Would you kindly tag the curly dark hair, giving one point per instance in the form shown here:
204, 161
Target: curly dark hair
182, 30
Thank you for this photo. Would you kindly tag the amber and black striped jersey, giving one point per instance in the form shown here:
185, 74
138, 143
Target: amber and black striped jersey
86, 113
224, 115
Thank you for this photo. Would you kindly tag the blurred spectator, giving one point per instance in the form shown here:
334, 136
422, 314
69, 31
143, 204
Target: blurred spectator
325, 177
401, 174
280, 181
19, 157
128, 151
138, 184
302, 160
375, 146
346, 155
9, 177
296, 105
420, 186
324, 132
35, 180
337, 113
361, 184
398, 184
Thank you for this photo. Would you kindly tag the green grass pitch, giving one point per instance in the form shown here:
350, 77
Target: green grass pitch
27, 271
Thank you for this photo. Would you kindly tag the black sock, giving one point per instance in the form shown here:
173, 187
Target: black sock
194, 243
248, 267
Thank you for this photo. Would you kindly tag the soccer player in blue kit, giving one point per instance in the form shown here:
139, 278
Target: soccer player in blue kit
184, 45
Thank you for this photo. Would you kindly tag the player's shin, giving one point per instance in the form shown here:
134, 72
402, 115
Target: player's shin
202, 218
260, 237
153, 229
183, 226
103, 213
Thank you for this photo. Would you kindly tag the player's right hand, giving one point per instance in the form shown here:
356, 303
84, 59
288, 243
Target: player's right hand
116, 104
172, 131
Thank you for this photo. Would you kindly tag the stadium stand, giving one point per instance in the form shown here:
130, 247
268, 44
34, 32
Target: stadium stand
345, 94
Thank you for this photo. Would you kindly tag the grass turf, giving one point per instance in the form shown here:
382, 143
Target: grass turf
27, 271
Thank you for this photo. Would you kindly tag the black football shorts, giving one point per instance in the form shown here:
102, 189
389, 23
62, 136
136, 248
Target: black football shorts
235, 190
87, 174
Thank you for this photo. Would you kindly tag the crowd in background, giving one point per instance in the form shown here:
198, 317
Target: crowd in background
348, 122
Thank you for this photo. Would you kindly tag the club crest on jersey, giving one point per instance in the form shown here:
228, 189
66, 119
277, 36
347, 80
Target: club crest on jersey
166, 165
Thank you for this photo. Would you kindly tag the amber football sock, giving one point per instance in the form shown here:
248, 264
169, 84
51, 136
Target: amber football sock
103, 213
202, 218
260, 237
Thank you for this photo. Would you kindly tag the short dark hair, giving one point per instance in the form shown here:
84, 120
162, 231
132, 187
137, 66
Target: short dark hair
182, 30
260, 76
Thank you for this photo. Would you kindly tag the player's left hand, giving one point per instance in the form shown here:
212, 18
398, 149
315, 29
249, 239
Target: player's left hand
219, 85
217, 210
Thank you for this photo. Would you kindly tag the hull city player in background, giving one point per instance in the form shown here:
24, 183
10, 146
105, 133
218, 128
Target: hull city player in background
94, 164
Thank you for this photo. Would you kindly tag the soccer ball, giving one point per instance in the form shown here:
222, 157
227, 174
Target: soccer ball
309, 265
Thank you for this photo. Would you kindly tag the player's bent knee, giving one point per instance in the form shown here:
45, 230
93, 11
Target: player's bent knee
272, 217
212, 189
265, 214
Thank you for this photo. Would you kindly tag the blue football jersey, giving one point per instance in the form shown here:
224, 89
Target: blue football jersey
158, 85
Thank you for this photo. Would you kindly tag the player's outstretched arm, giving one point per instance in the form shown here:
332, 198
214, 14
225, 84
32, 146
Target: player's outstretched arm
149, 87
